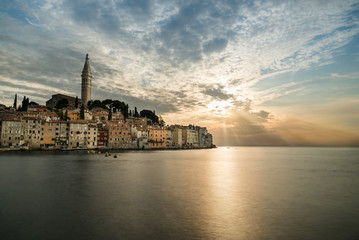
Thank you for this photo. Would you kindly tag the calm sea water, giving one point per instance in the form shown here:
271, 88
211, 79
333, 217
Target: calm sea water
224, 193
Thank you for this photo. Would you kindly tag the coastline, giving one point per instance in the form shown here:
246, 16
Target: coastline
102, 150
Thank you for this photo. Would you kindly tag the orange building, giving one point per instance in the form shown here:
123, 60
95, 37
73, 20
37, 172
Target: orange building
157, 137
119, 134
73, 115
48, 135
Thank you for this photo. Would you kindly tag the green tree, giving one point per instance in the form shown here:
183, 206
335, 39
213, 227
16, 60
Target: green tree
60, 114
15, 101
66, 117
136, 113
161, 122
107, 103
82, 112
89, 103
62, 103
25, 104
110, 114
77, 102
97, 103
150, 115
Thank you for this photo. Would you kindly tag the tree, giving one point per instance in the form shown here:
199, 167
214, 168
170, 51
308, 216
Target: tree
15, 101
107, 103
161, 122
89, 103
136, 113
150, 115
62, 103
121, 106
109, 115
25, 104
32, 103
61, 115
82, 112
97, 103
66, 117
77, 102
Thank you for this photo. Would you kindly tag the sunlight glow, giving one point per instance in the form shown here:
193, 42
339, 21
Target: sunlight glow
220, 107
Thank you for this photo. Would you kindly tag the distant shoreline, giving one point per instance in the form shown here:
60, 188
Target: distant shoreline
102, 150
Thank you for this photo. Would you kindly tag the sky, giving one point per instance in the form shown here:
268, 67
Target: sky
267, 73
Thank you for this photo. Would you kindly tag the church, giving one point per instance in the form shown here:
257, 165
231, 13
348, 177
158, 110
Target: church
86, 78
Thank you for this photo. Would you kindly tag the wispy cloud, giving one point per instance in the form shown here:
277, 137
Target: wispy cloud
168, 55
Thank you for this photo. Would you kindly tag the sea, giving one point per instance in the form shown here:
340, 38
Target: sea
222, 193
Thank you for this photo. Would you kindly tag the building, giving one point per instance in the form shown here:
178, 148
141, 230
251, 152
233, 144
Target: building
169, 138
57, 97
205, 139
48, 135
157, 137
99, 114
91, 141
86, 82
10, 132
190, 136
177, 136
77, 133
31, 132
73, 114
62, 135
119, 135
142, 137
102, 136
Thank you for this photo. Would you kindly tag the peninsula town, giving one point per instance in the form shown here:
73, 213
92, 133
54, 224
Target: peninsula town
68, 122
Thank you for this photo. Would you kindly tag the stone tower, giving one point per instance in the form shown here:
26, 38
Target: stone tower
86, 83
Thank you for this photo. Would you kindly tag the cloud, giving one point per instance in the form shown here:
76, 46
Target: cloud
217, 92
344, 76
215, 45
288, 132
175, 56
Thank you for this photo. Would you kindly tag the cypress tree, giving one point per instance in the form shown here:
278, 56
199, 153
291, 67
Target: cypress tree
15, 101
66, 117
82, 112
110, 114
23, 103
61, 115
77, 102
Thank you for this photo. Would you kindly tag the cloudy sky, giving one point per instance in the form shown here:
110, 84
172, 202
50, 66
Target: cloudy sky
252, 72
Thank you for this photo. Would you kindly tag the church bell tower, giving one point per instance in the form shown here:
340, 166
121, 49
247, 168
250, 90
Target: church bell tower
86, 82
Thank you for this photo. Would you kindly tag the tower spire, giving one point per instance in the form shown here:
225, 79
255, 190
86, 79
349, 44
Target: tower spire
86, 82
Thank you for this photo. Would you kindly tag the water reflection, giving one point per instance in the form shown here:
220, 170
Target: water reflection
224, 193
